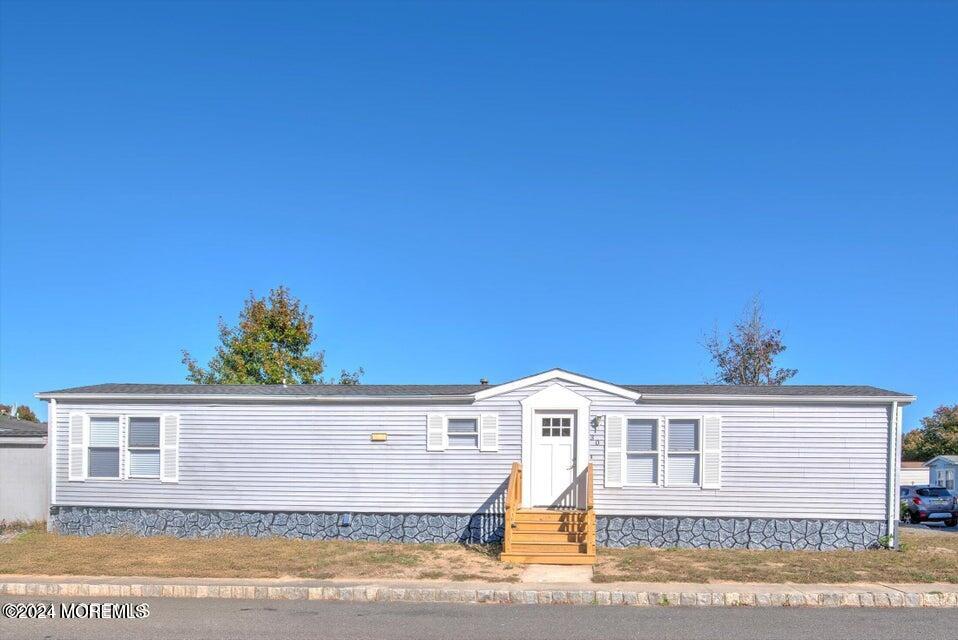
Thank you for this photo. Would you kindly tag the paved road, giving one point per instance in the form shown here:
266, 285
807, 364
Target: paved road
264, 620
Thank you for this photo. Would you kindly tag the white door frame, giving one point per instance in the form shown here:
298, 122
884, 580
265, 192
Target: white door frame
555, 397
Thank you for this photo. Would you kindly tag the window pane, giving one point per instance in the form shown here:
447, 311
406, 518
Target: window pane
566, 431
104, 463
683, 435
640, 468
684, 469
566, 422
457, 440
545, 431
104, 432
144, 432
641, 435
144, 463
546, 422
462, 425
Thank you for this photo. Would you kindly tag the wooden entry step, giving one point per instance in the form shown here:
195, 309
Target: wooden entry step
547, 536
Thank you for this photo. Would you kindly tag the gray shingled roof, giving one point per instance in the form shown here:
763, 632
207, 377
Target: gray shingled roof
277, 389
413, 390
837, 390
11, 427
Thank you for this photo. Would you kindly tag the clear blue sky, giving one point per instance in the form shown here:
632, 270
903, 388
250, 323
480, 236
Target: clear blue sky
466, 190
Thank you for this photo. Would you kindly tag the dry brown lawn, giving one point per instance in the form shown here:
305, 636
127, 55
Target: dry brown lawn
37, 552
927, 556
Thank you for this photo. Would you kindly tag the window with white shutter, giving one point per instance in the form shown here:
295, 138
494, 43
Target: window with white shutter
712, 452
103, 447
77, 438
641, 452
614, 437
143, 445
170, 448
489, 432
436, 432
462, 433
683, 453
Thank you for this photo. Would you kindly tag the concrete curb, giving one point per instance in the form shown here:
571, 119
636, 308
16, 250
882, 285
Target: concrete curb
729, 595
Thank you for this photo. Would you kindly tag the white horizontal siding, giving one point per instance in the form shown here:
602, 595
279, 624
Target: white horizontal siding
802, 461
309, 457
794, 461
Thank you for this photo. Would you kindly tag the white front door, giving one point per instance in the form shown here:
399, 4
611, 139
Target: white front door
553, 459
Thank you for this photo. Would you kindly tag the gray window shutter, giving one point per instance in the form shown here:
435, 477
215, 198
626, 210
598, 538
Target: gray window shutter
170, 448
712, 452
489, 432
614, 449
77, 440
436, 438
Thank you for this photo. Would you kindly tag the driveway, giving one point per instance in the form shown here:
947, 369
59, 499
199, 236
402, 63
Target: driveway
266, 620
929, 528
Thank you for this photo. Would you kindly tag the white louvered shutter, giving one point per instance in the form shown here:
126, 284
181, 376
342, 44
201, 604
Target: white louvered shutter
712, 452
77, 439
614, 449
170, 448
663, 452
124, 467
436, 438
489, 432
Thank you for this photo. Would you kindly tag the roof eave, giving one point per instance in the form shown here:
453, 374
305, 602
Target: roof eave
198, 397
732, 397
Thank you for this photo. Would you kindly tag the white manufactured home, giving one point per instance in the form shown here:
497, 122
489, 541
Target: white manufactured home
551, 465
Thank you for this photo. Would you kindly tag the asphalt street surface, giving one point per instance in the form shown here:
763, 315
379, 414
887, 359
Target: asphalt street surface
268, 619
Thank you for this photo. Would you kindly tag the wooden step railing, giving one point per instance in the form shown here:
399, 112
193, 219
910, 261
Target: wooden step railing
513, 502
589, 510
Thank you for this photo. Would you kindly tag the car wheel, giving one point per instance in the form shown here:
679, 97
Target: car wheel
951, 523
915, 519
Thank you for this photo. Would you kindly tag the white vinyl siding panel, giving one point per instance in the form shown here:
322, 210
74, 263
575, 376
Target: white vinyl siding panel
778, 461
800, 460
312, 457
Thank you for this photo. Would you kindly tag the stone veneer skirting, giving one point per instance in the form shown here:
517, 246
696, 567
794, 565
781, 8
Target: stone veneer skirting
612, 531
209, 523
738, 533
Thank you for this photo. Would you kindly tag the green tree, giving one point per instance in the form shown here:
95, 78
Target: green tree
937, 436
271, 344
26, 413
747, 354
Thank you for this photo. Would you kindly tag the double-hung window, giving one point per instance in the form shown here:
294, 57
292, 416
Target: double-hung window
641, 452
463, 433
104, 448
143, 444
684, 454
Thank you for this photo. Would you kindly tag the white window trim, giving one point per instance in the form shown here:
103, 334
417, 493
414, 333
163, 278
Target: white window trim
654, 452
475, 418
157, 448
698, 452
89, 417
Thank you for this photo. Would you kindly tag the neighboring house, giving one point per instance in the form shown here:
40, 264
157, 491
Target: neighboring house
24, 470
913, 473
672, 465
943, 471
